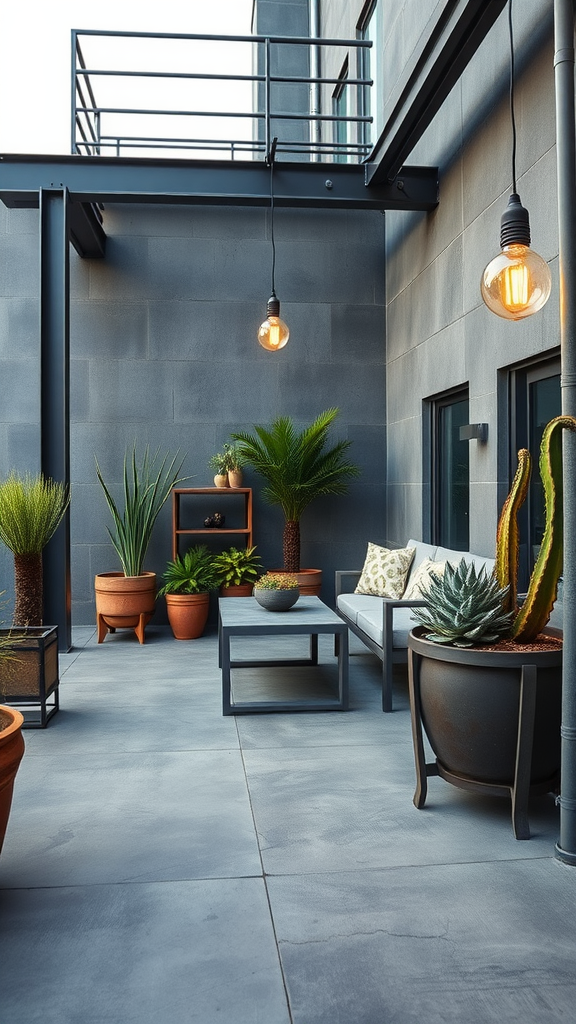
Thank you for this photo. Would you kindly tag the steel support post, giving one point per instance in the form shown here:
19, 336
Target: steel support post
566, 172
55, 396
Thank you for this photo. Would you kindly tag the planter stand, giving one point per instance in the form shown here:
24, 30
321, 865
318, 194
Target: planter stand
520, 789
30, 681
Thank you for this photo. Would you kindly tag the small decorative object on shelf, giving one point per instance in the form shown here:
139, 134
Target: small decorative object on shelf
218, 520
277, 592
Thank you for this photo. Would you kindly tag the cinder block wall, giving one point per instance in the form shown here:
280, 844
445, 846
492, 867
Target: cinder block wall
164, 352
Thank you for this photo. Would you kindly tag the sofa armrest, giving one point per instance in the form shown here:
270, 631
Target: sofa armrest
340, 575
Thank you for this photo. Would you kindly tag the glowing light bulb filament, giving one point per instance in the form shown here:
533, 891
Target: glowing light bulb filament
515, 287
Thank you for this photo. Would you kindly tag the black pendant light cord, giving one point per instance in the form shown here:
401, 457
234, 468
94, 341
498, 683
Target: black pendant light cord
512, 114
272, 223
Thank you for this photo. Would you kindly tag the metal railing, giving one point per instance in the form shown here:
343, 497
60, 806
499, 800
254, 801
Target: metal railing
273, 100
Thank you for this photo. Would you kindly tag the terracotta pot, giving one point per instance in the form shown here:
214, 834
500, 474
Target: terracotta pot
237, 590
187, 614
309, 581
11, 751
124, 602
221, 480
235, 477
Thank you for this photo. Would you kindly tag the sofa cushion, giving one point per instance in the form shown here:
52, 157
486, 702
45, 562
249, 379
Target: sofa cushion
454, 557
370, 620
422, 551
385, 571
419, 583
351, 604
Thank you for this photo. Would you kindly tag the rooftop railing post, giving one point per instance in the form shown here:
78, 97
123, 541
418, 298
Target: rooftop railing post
566, 173
267, 131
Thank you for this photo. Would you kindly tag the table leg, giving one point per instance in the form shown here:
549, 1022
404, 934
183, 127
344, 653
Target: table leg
225, 662
343, 669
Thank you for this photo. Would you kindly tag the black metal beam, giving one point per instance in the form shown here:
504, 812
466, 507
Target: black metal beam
229, 183
55, 396
447, 44
86, 232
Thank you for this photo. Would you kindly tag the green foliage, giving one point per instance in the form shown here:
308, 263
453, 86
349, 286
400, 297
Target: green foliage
543, 587
276, 581
235, 566
226, 460
297, 466
464, 607
31, 509
193, 573
147, 486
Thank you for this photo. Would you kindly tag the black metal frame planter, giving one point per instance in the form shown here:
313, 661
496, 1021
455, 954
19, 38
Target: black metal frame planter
492, 719
29, 680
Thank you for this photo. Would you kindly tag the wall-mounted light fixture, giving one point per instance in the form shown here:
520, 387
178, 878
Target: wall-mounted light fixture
517, 282
474, 432
273, 334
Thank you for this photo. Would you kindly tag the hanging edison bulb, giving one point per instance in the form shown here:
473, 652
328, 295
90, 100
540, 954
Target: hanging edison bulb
517, 282
273, 333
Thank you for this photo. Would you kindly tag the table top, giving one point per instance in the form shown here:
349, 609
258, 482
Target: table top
246, 612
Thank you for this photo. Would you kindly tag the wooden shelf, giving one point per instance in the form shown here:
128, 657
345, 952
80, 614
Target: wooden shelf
180, 493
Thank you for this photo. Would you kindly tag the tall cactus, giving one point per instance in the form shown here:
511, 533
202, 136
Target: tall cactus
542, 590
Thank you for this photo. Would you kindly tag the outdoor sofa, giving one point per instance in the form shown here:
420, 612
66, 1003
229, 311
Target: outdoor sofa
383, 624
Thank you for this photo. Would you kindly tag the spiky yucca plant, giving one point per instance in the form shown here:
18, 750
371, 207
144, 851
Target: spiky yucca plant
464, 607
31, 509
298, 467
148, 482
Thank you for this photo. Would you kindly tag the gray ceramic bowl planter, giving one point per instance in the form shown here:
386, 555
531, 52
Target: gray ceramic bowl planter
277, 600
492, 719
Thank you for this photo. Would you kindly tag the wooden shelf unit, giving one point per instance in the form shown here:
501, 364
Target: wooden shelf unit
244, 532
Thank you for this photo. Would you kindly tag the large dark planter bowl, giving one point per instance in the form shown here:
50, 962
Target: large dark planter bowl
469, 703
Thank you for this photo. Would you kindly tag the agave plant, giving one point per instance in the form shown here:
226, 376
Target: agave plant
298, 467
31, 509
465, 607
192, 573
147, 486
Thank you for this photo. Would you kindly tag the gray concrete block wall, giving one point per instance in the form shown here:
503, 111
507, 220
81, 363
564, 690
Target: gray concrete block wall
164, 352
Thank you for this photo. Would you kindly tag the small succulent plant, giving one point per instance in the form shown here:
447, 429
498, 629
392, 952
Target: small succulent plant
277, 581
465, 607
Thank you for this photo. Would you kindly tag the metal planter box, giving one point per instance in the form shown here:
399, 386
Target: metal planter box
29, 681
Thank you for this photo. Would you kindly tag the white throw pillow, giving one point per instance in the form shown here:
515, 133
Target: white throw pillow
385, 571
420, 582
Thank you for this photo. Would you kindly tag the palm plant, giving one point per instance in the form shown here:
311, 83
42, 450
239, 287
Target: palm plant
298, 467
31, 509
192, 573
147, 486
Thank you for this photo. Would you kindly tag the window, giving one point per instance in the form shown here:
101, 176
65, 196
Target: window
450, 472
535, 400
370, 66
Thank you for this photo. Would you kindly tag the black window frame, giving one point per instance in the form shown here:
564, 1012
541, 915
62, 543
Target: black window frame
436, 405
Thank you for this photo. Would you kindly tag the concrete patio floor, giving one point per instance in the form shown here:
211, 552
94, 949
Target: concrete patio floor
166, 864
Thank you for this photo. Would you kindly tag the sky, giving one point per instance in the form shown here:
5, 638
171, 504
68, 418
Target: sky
35, 60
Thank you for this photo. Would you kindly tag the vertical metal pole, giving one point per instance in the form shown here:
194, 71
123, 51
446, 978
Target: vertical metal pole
566, 171
73, 148
315, 89
268, 135
55, 396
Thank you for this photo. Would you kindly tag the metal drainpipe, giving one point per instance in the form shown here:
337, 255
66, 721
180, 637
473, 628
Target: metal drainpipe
566, 172
315, 97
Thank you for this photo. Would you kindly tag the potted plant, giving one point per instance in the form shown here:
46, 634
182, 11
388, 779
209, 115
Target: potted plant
227, 466
236, 570
298, 466
485, 673
188, 581
277, 591
31, 509
11, 743
127, 599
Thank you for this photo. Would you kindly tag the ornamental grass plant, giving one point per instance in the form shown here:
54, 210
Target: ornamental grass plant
31, 509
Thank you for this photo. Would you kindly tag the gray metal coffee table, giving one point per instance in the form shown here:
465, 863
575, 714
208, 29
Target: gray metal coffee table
243, 616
